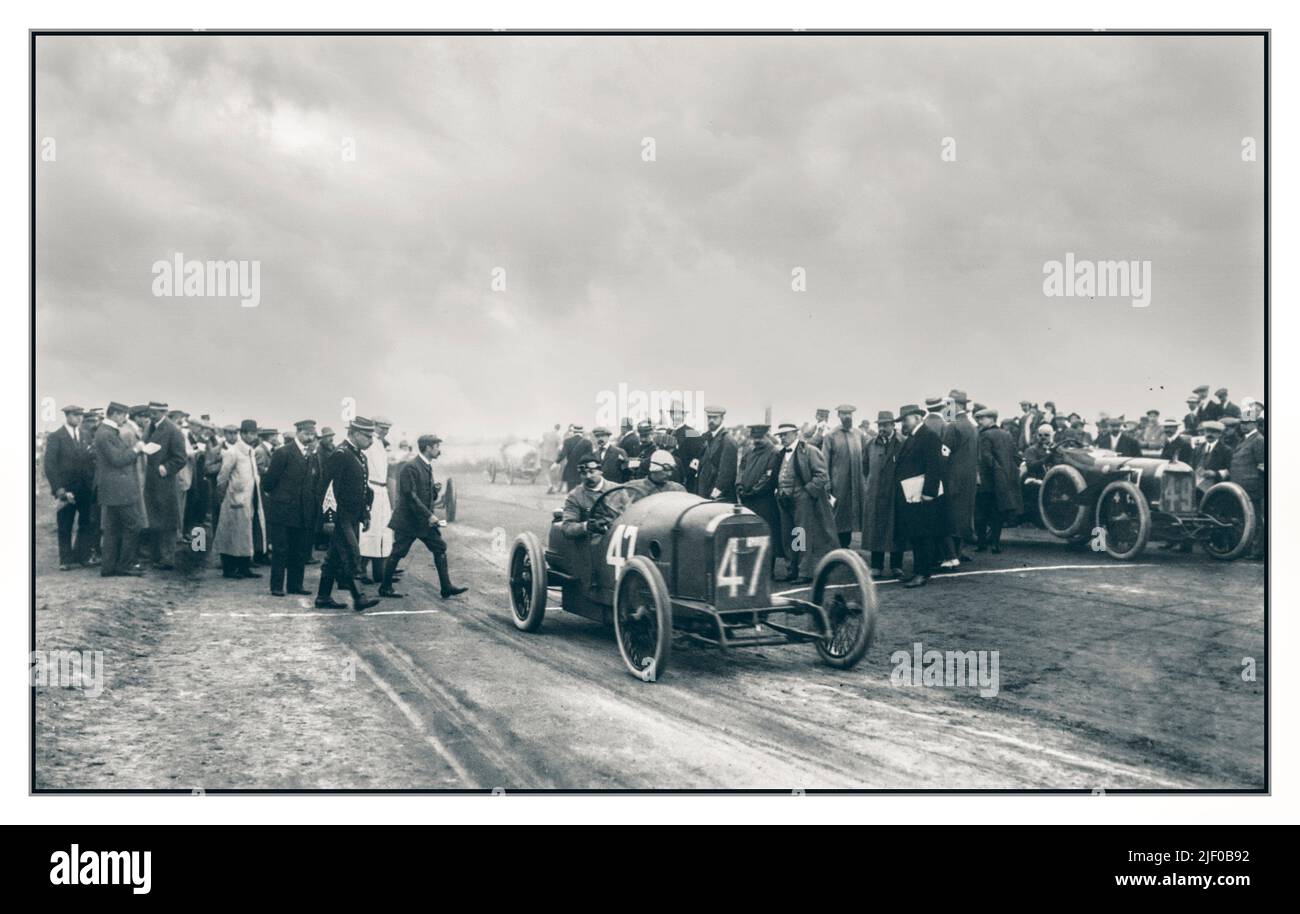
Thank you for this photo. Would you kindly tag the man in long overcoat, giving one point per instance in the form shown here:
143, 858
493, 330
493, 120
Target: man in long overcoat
878, 501
843, 446
756, 484
998, 495
960, 437
241, 527
919, 473
803, 498
162, 492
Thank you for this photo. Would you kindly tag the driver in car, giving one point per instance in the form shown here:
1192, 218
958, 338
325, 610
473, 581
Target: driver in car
576, 521
1041, 454
662, 465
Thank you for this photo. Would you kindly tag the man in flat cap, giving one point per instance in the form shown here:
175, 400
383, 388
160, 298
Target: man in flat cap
719, 461
879, 508
347, 487
241, 524
803, 500
756, 485
69, 469
1212, 458
919, 470
414, 519
612, 458
1117, 440
161, 487
376, 541
998, 498
1220, 407
291, 506
843, 447
1176, 445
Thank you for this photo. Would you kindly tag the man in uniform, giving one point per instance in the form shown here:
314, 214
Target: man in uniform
413, 518
290, 483
70, 470
376, 541
919, 471
718, 462
843, 447
611, 457
756, 487
347, 476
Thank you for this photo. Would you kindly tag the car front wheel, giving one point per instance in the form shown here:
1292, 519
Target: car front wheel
1123, 519
527, 583
643, 619
842, 586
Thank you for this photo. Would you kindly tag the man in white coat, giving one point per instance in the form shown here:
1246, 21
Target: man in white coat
241, 527
377, 542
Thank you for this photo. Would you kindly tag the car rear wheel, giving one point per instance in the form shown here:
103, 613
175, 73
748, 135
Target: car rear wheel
842, 586
1228, 503
1125, 520
1058, 502
643, 619
527, 582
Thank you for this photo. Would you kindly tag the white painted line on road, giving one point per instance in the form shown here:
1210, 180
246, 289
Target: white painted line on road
962, 574
416, 723
338, 614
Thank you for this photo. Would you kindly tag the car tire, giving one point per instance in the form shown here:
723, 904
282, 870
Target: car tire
643, 619
843, 587
1062, 480
1227, 501
526, 578
1126, 535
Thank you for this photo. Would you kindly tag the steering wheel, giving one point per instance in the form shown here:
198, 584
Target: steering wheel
607, 513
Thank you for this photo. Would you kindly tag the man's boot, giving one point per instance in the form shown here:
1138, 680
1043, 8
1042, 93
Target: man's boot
444, 578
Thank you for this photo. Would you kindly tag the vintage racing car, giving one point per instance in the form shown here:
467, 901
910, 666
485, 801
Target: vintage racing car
519, 460
1121, 503
677, 563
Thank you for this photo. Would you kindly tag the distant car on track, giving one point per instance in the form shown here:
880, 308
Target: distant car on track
677, 563
1128, 501
519, 460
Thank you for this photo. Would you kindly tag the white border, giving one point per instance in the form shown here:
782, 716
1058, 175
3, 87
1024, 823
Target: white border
17, 806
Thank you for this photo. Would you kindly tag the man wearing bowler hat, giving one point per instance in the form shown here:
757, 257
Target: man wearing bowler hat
919, 471
69, 469
162, 492
290, 486
718, 461
119, 495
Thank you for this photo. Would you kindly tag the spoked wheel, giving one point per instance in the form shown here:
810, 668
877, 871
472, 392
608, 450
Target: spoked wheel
527, 582
643, 619
1125, 520
1228, 503
842, 586
1058, 502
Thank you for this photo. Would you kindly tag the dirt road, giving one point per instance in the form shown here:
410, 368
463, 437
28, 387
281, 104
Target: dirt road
1110, 676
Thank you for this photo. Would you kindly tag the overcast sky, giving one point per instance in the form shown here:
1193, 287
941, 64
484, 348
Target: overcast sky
526, 154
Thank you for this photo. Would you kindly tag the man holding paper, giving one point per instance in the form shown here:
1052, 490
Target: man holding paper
919, 470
